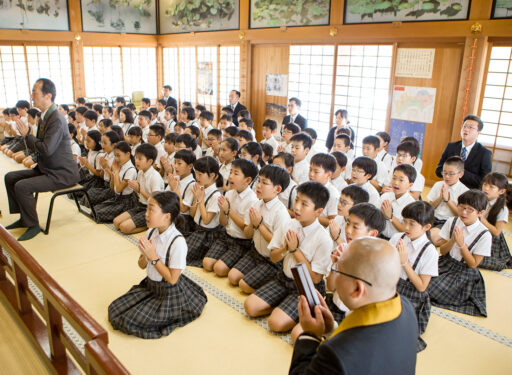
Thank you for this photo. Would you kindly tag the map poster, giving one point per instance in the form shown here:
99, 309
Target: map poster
413, 103
399, 129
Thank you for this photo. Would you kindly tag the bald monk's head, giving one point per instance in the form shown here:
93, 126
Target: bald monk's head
375, 262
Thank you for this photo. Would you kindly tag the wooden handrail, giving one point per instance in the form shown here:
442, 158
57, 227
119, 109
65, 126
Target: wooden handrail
101, 361
44, 320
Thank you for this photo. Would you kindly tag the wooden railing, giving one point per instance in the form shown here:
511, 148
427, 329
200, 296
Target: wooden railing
66, 336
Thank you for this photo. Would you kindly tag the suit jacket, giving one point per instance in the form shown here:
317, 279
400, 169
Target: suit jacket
299, 120
53, 149
239, 107
171, 102
478, 163
385, 348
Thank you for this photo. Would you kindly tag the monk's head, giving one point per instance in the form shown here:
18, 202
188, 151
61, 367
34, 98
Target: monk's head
368, 272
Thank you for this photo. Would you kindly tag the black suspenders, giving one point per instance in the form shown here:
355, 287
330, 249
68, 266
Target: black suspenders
290, 196
417, 260
206, 202
166, 262
475, 241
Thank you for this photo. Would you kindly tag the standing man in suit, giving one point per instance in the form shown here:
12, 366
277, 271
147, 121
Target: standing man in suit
171, 102
294, 116
477, 158
56, 167
379, 335
234, 97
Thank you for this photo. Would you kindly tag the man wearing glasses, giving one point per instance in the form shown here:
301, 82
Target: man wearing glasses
477, 158
378, 336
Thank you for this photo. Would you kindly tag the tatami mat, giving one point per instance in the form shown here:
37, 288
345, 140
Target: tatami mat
96, 265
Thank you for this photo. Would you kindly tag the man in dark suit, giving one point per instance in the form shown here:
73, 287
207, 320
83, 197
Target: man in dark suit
171, 102
477, 158
234, 97
55, 169
379, 336
294, 116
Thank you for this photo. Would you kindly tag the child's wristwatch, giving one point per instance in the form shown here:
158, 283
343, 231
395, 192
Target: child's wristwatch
153, 262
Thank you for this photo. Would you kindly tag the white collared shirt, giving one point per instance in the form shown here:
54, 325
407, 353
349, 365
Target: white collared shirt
314, 242
93, 159
75, 148
373, 193
240, 204
398, 205
482, 247
145, 133
315, 149
418, 184
225, 170
198, 152
135, 147
342, 223
275, 217
185, 188
339, 182
205, 132
502, 215
161, 152
211, 194
110, 160
301, 171
442, 211
382, 172
177, 253
285, 197
386, 158
272, 142
427, 265
127, 172
331, 208
150, 181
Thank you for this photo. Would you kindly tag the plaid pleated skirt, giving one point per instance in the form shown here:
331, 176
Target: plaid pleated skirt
257, 269
199, 242
98, 194
138, 214
281, 292
108, 210
185, 224
154, 309
17, 145
337, 314
458, 288
228, 249
422, 306
89, 181
500, 255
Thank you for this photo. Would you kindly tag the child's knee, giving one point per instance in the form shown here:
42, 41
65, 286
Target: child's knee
235, 276
251, 306
208, 264
279, 321
220, 268
244, 287
127, 226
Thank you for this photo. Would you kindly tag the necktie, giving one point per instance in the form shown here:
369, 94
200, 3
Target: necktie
463, 154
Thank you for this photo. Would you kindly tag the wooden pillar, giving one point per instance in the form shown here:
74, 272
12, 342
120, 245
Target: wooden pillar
159, 69
480, 10
336, 12
77, 49
245, 73
471, 80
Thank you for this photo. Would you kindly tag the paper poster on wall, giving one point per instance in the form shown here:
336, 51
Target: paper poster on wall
276, 85
275, 112
34, 15
205, 78
399, 129
413, 103
415, 62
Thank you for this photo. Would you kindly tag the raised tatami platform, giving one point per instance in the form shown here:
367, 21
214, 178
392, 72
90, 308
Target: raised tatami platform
96, 265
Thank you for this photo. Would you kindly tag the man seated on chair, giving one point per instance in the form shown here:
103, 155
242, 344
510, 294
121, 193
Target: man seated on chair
55, 169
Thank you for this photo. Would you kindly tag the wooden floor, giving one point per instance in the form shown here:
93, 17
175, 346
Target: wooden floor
96, 265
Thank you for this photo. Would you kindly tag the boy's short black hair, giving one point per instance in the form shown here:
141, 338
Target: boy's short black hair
419, 211
187, 140
245, 134
372, 140
33, 112
341, 158
408, 147
303, 138
356, 193
270, 123
80, 100
22, 104
311, 132
135, 130
296, 100
277, 175
455, 161
181, 124
146, 100
91, 115
107, 123
200, 108
191, 112
194, 130
294, 128
346, 139
145, 113
248, 168
88, 105
118, 130
13, 111
153, 111
149, 151
325, 161
207, 115
120, 99
228, 110
81, 110
186, 104
267, 150
232, 131
171, 138
288, 159
368, 165
217, 133
186, 155
131, 107
474, 198
475, 118
385, 136
159, 130
109, 109
162, 102
227, 117
244, 113
65, 107
169, 203
248, 122
407, 170
97, 107
372, 217
315, 191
